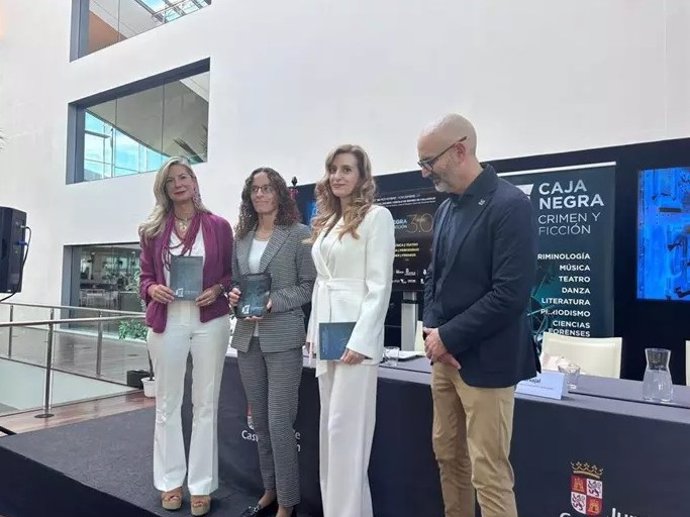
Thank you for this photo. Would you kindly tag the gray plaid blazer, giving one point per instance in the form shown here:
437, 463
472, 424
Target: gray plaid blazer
288, 258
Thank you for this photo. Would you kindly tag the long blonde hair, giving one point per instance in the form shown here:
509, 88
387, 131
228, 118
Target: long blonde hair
328, 208
155, 223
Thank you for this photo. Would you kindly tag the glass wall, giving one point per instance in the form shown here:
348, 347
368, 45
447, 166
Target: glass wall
136, 133
109, 152
101, 23
106, 276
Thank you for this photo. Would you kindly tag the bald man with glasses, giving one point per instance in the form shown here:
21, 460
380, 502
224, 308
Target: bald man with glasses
476, 331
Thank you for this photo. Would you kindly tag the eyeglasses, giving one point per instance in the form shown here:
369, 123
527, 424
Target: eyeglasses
428, 163
266, 189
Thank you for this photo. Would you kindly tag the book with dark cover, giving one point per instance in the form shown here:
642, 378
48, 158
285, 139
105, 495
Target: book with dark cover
256, 290
186, 274
333, 339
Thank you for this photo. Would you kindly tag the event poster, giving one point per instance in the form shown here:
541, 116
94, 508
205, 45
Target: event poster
413, 215
663, 234
574, 211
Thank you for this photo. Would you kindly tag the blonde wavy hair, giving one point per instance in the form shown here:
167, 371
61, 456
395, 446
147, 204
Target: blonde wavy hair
328, 209
155, 223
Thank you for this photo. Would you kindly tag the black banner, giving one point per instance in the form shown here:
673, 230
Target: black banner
574, 211
413, 214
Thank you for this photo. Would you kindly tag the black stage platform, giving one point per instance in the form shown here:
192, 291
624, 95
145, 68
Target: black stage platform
96, 468
641, 453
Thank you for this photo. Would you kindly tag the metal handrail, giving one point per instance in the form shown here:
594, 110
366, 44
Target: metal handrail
70, 307
49, 352
138, 316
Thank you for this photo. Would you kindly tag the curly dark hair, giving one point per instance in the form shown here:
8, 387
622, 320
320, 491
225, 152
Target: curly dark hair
288, 213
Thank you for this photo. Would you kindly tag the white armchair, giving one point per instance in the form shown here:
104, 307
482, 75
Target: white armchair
595, 356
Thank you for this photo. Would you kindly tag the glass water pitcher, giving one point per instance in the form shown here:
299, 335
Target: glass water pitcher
657, 385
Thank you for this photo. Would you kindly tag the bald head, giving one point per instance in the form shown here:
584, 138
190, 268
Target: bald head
447, 152
450, 129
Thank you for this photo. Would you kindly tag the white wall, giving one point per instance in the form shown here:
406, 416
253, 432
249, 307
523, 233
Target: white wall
290, 80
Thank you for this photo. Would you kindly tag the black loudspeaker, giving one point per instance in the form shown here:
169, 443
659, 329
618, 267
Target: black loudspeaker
12, 224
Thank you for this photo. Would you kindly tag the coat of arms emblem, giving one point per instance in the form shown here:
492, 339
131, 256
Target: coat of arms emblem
587, 489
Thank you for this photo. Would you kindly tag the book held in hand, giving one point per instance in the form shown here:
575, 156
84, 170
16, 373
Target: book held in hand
255, 291
186, 274
333, 339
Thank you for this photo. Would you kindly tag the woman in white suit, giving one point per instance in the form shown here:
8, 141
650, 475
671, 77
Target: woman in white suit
353, 250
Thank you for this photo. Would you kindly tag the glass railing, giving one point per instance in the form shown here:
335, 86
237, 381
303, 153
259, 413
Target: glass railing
168, 10
61, 354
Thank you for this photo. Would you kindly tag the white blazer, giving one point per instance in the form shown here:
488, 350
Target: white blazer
354, 282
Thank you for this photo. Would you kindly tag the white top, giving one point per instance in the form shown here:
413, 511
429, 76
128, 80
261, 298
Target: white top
197, 250
256, 251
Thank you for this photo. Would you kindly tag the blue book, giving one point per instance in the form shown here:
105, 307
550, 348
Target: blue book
333, 339
256, 291
186, 276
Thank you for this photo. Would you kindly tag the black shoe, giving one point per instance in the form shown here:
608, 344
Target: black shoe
259, 511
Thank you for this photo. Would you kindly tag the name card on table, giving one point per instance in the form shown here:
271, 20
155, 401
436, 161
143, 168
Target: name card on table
550, 385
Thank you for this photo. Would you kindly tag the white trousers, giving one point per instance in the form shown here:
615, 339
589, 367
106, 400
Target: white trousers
169, 350
348, 417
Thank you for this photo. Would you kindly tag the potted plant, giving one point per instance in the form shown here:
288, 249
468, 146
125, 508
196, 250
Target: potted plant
132, 329
142, 379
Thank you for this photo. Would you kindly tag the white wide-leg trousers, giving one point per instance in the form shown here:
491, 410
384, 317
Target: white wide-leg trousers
207, 342
348, 418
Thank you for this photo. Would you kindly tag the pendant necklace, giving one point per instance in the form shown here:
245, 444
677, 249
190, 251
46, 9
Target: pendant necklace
183, 224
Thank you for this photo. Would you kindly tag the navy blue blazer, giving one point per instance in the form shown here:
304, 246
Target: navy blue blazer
480, 302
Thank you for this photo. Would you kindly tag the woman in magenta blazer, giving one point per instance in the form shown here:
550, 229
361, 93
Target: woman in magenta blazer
180, 225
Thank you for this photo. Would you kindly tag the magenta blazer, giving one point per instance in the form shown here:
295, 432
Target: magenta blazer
217, 270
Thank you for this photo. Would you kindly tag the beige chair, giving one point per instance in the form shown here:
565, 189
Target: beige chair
595, 356
687, 363
419, 337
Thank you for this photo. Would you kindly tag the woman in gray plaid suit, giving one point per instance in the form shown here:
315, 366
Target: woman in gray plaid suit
270, 239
